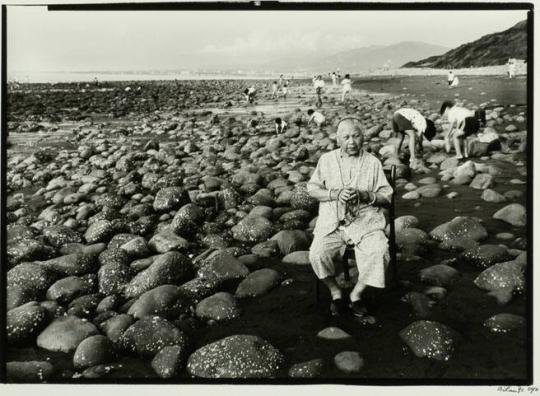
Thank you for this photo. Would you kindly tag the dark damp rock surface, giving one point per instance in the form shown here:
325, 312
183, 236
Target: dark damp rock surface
237, 356
149, 335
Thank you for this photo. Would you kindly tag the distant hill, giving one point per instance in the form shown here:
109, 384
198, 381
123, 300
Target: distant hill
490, 50
378, 56
359, 59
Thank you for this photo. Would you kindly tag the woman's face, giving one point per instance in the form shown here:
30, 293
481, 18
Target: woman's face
349, 138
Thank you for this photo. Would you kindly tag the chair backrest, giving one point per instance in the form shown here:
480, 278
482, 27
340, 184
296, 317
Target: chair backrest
391, 177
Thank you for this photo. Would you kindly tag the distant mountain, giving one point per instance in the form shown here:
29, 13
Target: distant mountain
379, 56
359, 59
492, 49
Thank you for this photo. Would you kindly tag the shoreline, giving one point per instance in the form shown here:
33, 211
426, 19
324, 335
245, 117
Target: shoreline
87, 77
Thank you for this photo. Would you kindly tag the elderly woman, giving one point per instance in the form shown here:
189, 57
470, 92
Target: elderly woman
351, 187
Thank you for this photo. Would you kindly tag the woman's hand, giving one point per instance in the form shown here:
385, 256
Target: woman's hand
346, 195
364, 196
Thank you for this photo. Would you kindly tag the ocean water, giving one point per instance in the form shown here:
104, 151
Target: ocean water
53, 77
87, 76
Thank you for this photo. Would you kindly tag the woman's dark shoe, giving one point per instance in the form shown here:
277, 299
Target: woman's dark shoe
338, 307
358, 309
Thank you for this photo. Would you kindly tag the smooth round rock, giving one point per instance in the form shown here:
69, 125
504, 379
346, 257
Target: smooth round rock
333, 333
310, 369
221, 306
65, 334
349, 361
237, 356
23, 322
429, 339
92, 351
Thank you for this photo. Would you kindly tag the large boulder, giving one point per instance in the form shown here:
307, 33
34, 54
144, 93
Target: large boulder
439, 275
485, 256
65, 334
71, 264
66, 289
492, 196
252, 229
22, 323
300, 199
460, 227
149, 335
166, 301
291, 240
482, 181
222, 266
114, 327
187, 220
169, 361
28, 282
167, 241
406, 221
237, 356
509, 275
258, 283
92, 351
429, 339
198, 288
29, 371
412, 241
310, 369
59, 235
349, 361
113, 278
300, 257
168, 268
221, 306
514, 214
429, 191
103, 230
170, 198
505, 322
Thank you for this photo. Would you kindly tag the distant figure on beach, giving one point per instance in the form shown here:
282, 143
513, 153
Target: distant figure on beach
463, 123
96, 82
316, 117
412, 123
285, 88
281, 81
334, 79
453, 80
346, 87
319, 85
280, 126
250, 94
274, 89
511, 64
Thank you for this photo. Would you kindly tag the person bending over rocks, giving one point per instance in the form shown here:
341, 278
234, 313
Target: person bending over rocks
317, 117
413, 124
463, 123
249, 93
280, 125
351, 188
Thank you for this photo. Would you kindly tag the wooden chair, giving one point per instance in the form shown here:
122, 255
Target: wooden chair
349, 250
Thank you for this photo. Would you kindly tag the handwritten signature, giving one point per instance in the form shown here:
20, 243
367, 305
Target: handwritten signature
518, 389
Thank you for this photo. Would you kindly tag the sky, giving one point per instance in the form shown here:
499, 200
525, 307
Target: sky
41, 40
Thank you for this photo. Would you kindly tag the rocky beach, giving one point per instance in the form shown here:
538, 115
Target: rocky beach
160, 230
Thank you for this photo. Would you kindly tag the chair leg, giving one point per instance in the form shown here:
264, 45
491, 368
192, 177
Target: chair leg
317, 286
346, 274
